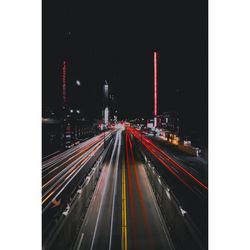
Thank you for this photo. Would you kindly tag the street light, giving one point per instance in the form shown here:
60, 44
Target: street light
78, 83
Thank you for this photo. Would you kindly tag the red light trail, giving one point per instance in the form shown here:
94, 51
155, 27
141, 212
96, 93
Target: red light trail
162, 157
132, 169
131, 196
138, 186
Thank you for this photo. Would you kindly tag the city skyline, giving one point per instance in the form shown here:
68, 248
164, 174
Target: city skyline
96, 51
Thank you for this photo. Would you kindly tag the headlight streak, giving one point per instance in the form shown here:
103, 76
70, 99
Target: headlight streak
57, 183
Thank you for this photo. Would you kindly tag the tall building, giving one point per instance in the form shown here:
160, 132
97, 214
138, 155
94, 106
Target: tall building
105, 110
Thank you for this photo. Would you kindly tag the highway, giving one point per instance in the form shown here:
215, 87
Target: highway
190, 190
123, 213
196, 165
62, 174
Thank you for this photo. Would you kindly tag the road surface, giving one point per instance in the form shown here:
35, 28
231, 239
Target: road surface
123, 213
62, 174
189, 189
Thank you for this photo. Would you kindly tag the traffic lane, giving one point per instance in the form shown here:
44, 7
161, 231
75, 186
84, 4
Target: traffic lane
171, 164
146, 229
195, 205
69, 169
69, 178
55, 168
56, 201
98, 226
60, 177
180, 173
63, 156
67, 158
187, 179
56, 164
195, 164
163, 157
54, 207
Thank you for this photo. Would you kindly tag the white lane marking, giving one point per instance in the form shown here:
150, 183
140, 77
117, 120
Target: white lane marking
103, 194
80, 242
114, 192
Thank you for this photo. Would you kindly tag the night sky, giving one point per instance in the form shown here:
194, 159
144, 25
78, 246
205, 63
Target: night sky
115, 42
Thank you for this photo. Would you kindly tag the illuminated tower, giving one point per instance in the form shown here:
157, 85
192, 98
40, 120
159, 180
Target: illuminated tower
155, 89
105, 104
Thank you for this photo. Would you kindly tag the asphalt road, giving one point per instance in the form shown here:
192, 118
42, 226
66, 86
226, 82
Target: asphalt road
62, 174
189, 189
123, 213
197, 165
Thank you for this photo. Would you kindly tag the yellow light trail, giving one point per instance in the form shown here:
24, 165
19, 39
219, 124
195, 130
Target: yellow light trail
124, 211
48, 196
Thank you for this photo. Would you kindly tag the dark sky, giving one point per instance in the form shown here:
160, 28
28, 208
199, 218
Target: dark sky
115, 41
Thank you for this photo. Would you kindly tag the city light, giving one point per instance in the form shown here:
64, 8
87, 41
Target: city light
155, 83
64, 81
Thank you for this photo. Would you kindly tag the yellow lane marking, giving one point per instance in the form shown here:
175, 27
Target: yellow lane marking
124, 210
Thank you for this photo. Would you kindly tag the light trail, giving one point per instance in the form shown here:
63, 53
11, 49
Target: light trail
163, 158
178, 165
115, 188
138, 188
63, 157
104, 193
71, 171
63, 181
81, 153
64, 173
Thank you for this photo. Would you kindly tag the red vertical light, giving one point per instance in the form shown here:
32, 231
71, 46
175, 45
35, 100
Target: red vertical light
155, 84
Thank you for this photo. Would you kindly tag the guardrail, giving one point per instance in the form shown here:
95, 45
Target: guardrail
182, 230
69, 223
